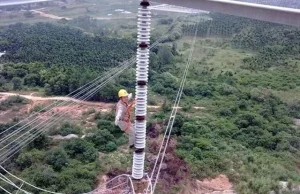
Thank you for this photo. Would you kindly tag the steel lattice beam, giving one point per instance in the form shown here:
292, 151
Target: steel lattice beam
280, 15
20, 2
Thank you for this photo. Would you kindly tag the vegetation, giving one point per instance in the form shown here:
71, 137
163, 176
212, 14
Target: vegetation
54, 72
71, 166
11, 101
65, 129
53, 56
246, 130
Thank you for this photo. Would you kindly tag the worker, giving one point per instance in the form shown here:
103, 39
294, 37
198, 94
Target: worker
123, 109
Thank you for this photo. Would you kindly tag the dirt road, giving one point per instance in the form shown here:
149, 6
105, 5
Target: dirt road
55, 17
37, 98
47, 15
62, 98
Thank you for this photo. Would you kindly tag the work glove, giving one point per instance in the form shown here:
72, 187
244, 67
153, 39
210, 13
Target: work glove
118, 116
116, 122
129, 96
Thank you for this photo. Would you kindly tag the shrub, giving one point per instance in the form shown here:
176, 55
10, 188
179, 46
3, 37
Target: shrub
225, 112
166, 107
80, 149
152, 101
28, 14
26, 159
111, 146
41, 142
248, 119
101, 139
17, 83
65, 129
89, 111
41, 175
226, 89
57, 157
258, 94
11, 100
38, 108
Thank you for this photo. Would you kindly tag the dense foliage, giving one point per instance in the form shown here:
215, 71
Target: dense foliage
275, 43
245, 129
70, 166
58, 58
62, 45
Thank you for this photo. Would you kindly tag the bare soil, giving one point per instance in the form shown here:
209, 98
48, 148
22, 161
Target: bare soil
47, 15
217, 185
72, 108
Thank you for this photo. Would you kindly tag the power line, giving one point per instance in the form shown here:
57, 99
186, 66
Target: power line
165, 134
89, 94
95, 82
5, 190
60, 117
153, 46
173, 114
5, 179
24, 182
20, 187
86, 87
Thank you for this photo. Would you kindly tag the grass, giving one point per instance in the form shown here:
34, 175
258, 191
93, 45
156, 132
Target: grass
217, 56
19, 17
251, 170
288, 96
216, 53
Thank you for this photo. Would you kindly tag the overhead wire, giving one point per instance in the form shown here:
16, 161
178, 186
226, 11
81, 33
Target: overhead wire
161, 146
172, 116
5, 190
11, 153
125, 64
74, 96
64, 102
59, 118
49, 124
89, 94
20, 187
5, 179
24, 183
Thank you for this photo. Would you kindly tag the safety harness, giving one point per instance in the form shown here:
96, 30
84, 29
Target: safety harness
127, 115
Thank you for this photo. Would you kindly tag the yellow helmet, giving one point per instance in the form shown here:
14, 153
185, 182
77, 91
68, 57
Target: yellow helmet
122, 93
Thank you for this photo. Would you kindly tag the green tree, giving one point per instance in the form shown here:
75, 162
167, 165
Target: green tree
80, 149
41, 175
57, 157
41, 142
103, 140
165, 55
27, 158
32, 80
17, 83
28, 14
